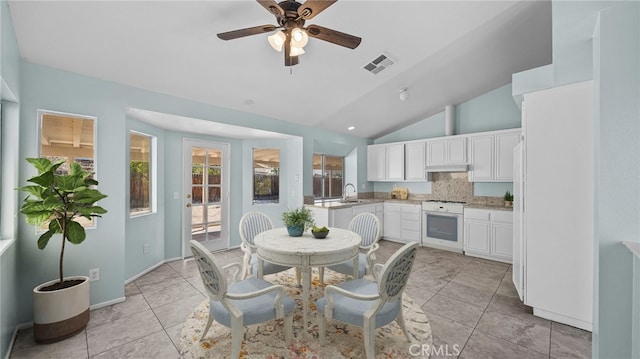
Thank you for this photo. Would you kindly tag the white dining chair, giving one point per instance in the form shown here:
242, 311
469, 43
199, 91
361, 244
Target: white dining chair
367, 226
241, 303
252, 224
365, 303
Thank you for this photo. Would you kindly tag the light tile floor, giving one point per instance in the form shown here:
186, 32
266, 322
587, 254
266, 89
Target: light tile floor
471, 303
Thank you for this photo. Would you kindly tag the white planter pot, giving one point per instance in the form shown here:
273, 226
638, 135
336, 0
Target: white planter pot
60, 314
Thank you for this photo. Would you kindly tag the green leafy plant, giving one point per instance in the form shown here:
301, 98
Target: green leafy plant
299, 217
60, 199
508, 196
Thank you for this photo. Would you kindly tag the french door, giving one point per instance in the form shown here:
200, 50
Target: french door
205, 195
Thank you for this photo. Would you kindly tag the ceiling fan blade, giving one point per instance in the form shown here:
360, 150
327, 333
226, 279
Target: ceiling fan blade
311, 8
288, 59
230, 35
333, 36
272, 7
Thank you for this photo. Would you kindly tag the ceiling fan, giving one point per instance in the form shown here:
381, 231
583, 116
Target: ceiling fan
292, 35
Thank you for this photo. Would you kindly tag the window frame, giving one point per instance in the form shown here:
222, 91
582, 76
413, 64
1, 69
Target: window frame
41, 113
153, 175
323, 170
253, 176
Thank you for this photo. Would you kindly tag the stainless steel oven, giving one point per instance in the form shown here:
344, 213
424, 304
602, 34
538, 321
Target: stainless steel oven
442, 225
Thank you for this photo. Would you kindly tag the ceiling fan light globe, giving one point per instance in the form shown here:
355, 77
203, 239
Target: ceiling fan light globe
277, 40
296, 51
299, 37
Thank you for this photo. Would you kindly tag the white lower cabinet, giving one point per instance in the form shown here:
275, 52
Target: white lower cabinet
488, 234
341, 217
402, 222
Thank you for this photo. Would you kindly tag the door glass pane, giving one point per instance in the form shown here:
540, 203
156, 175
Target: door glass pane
197, 214
214, 175
213, 231
198, 156
196, 194
214, 195
213, 215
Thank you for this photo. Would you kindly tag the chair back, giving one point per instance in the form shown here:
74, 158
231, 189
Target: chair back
213, 278
253, 223
367, 226
395, 272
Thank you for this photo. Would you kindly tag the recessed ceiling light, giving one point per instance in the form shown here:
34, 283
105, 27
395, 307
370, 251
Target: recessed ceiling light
351, 128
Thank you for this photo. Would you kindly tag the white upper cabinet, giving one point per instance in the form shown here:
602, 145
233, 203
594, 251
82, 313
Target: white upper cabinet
399, 161
491, 156
376, 162
447, 151
394, 166
505, 143
414, 161
481, 158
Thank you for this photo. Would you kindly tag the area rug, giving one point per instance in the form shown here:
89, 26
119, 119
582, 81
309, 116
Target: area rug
342, 341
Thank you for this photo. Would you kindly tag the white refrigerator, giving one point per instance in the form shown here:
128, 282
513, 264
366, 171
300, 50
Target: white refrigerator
553, 200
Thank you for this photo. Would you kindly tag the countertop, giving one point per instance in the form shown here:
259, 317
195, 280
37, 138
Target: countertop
492, 207
360, 202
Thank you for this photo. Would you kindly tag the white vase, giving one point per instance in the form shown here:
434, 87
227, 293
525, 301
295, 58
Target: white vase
60, 314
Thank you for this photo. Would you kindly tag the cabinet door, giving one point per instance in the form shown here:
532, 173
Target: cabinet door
414, 161
340, 217
481, 158
476, 236
376, 163
457, 151
391, 225
436, 153
505, 143
410, 223
395, 162
502, 240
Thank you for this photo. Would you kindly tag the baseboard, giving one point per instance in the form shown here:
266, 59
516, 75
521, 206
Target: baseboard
159, 264
107, 303
563, 319
18, 328
143, 272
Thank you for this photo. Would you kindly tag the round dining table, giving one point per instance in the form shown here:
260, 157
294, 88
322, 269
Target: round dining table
276, 246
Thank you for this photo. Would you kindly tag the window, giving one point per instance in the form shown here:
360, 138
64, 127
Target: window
140, 173
68, 137
327, 176
266, 175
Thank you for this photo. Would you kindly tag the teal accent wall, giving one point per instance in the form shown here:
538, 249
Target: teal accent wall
573, 25
492, 111
148, 228
617, 189
9, 155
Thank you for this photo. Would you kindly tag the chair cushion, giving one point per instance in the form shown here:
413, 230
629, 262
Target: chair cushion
349, 310
347, 267
267, 267
255, 310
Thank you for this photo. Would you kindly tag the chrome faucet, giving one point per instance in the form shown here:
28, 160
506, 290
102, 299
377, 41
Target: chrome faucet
344, 191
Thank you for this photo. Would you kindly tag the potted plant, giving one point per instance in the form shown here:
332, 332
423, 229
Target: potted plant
508, 199
297, 221
61, 306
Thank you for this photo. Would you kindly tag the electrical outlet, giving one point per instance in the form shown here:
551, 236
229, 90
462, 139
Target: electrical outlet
145, 248
94, 274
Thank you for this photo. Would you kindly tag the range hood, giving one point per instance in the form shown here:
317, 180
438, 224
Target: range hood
447, 168
449, 130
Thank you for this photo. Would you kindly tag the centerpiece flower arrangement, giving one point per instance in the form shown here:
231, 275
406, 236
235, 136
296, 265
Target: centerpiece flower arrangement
298, 221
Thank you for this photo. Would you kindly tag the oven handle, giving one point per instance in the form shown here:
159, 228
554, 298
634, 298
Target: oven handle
438, 213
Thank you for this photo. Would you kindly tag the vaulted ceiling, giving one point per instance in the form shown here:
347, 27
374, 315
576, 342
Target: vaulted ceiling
444, 52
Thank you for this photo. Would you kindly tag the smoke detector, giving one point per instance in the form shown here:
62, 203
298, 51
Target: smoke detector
404, 94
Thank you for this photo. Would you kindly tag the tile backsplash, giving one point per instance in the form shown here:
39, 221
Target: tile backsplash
447, 186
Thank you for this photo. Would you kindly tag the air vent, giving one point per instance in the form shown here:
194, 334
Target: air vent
378, 64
